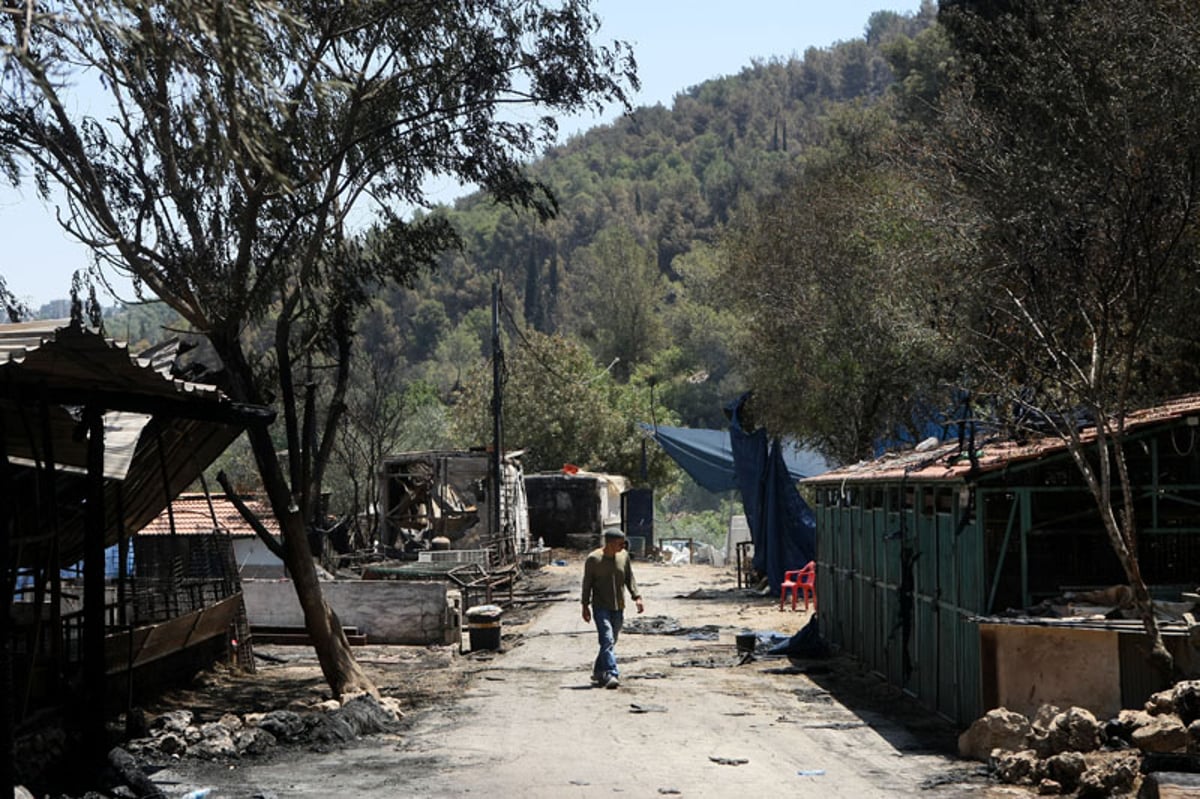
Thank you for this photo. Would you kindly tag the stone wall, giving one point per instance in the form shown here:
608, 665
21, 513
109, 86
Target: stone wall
386, 611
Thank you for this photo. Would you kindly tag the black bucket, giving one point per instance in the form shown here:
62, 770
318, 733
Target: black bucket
746, 642
483, 626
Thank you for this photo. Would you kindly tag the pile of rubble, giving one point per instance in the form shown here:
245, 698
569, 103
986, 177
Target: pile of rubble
1068, 751
176, 734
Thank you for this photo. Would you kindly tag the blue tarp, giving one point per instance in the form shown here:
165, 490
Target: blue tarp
765, 472
707, 456
782, 526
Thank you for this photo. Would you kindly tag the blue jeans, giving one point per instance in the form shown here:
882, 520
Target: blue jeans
608, 629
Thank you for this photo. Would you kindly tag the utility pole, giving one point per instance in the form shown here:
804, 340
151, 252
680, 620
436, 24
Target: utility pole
497, 406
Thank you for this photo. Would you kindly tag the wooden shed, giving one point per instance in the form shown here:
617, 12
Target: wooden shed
96, 442
920, 551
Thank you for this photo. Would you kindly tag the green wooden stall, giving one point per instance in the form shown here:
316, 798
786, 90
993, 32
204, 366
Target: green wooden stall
914, 548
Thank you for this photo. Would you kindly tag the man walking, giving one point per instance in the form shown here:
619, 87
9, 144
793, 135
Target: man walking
607, 572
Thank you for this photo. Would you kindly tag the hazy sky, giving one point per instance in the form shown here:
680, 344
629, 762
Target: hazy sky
677, 44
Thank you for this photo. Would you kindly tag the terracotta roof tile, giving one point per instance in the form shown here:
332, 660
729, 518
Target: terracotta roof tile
192, 517
945, 462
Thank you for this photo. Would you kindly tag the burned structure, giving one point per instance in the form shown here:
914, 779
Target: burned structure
451, 494
980, 577
96, 443
370, 611
570, 508
455, 517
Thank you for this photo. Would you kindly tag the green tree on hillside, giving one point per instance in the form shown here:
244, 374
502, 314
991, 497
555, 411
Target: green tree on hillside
620, 309
673, 177
841, 332
699, 372
460, 352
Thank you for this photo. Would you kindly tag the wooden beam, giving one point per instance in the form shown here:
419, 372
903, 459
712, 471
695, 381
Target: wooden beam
93, 593
8, 565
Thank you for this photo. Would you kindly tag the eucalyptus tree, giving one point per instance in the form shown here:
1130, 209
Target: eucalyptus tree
222, 155
1070, 140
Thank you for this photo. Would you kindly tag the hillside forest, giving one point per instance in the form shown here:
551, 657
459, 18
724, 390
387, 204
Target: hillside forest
982, 211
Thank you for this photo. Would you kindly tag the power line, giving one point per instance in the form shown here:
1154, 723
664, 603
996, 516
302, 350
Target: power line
532, 348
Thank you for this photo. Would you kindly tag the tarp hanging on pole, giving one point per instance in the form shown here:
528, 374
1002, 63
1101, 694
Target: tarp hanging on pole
765, 473
782, 526
703, 454
707, 456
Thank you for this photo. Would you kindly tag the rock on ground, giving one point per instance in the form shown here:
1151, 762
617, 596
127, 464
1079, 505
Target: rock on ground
1000, 728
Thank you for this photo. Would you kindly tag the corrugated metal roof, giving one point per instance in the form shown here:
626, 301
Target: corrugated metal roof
160, 432
193, 517
57, 354
945, 461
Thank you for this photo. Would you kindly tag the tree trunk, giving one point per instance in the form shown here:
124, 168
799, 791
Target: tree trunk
1120, 541
341, 670
1160, 657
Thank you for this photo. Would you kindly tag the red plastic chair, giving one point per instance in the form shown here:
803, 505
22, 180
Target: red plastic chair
800, 581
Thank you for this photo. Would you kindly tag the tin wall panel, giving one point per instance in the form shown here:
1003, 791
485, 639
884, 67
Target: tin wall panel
859, 592
925, 655
947, 675
969, 672
893, 641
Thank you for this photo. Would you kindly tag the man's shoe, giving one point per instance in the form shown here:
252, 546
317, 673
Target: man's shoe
612, 682
597, 680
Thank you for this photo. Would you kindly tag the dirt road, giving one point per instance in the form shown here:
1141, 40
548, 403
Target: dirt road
688, 720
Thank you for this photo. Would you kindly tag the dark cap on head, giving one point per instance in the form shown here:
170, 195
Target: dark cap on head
613, 532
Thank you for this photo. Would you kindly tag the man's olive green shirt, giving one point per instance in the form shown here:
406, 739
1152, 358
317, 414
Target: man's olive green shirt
604, 576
